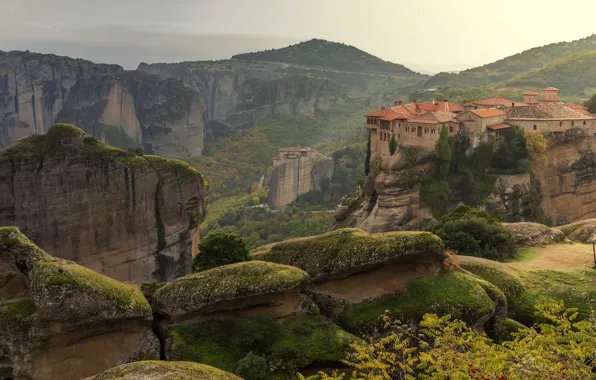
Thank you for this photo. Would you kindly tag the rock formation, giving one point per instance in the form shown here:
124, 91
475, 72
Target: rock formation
357, 276
160, 370
297, 171
59, 320
237, 97
133, 218
389, 200
533, 234
125, 107
583, 231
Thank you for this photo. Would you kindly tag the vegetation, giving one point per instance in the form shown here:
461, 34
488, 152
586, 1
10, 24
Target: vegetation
327, 54
473, 232
454, 293
536, 146
443, 347
343, 249
368, 154
115, 136
242, 345
435, 190
217, 249
512, 152
590, 104
164, 370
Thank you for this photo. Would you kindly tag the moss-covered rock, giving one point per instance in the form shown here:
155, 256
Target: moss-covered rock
583, 231
454, 293
500, 275
195, 292
65, 304
348, 249
161, 370
533, 234
287, 346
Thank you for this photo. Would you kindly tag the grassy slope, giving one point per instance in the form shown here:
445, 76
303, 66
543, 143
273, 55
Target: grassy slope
327, 54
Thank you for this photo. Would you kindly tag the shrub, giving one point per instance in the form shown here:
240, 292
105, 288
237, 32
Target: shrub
219, 248
435, 194
252, 367
474, 232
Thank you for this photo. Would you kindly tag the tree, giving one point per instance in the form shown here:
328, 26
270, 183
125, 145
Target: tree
219, 248
442, 348
591, 104
368, 154
536, 145
443, 153
473, 232
392, 145
512, 150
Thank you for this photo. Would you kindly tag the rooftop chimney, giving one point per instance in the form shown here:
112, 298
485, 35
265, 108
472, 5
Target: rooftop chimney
400, 102
530, 97
383, 108
414, 101
550, 94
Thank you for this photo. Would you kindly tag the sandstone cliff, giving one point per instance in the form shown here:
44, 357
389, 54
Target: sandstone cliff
162, 115
133, 218
59, 320
237, 97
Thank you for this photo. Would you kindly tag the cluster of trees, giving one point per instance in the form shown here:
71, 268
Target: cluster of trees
473, 232
443, 348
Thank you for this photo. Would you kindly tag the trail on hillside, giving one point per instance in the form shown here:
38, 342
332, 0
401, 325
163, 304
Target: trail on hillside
559, 257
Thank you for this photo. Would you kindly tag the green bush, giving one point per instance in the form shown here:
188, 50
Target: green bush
219, 248
435, 194
474, 232
252, 367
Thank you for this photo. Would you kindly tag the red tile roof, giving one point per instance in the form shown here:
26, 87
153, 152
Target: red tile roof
496, 101
499, 126
425, 113
580, 109
489, 112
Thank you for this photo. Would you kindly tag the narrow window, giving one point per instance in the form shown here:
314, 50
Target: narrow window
584, 122
572, 123
535, 127
560, 123
450, 129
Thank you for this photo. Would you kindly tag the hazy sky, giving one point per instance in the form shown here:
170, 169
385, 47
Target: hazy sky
437, 34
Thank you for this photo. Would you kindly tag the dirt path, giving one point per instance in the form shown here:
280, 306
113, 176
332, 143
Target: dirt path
560, 257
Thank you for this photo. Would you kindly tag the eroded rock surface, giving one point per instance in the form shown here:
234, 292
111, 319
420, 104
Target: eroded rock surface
133, 218
127, 108
160, 370
533, 234
68, 321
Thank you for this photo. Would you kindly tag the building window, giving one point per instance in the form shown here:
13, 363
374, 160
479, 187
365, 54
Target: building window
560, 123
584, 122
572, 123
407, 129
450, 129
398, 135
535, 127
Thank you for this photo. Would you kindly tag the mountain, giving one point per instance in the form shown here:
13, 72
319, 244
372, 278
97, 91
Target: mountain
515, 65
574, 74
328, 54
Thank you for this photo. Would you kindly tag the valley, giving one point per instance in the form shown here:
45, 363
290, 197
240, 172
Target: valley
305, 213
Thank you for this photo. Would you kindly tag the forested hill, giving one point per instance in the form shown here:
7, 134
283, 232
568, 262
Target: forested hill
521, 64
537, 57
574, 74
328, 54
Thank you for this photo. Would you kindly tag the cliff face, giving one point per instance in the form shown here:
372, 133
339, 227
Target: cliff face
292, 177
389, 200
234, 97
36, 90
133, 218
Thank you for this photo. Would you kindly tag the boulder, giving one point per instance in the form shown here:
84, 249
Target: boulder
243, 289
161, 370
55, 315
132, 217
583, 231
498, 274
533, 234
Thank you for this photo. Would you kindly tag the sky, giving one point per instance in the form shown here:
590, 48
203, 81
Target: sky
427, 35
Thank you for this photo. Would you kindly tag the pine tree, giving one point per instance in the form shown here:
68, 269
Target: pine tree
392, 145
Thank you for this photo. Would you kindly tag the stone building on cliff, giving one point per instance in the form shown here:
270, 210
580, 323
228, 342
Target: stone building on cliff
420, 124
296, 171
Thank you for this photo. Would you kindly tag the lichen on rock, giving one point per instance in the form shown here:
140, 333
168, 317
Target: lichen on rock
162, 370
195, 292
347, 249
534, 234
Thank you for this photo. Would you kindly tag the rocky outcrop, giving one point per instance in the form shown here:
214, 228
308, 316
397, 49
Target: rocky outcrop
56, 316
389, 200
237, 97
297, 171
133, 218
583, 231
533, 234
160, 370
242, 289
124, 107
356, 277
